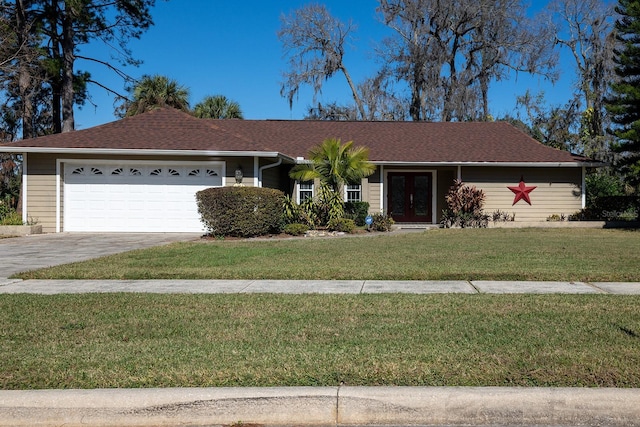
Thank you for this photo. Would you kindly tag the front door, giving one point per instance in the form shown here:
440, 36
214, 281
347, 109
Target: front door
409, 196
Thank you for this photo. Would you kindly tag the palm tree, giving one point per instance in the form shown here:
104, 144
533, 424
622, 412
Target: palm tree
152, 92
335, 165
217, 107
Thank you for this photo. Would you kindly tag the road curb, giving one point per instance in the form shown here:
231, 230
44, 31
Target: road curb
380, 406
506, 406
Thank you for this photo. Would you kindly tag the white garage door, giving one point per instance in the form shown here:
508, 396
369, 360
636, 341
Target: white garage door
134, 197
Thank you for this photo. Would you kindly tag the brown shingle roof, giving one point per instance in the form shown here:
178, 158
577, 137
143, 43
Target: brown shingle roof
409, 142
161, 129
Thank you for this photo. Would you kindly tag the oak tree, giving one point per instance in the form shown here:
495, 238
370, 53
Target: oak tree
448, 53
315, 43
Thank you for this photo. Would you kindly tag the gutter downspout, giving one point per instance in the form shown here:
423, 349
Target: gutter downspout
382, 189
58, 195
269, 166
584, 187
24, 200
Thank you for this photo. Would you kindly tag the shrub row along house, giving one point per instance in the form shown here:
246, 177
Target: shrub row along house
140, 174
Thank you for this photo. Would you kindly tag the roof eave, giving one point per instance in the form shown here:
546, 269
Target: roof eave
275, 154
500, 164
150, 152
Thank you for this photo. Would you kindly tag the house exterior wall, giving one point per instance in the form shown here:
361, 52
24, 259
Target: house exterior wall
41, 191
246, 163
558, 190
374, 190
275, 176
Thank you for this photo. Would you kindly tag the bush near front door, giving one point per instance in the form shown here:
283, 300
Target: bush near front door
241, 211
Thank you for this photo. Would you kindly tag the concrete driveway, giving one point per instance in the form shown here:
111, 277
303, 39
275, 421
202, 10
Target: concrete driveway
19, 254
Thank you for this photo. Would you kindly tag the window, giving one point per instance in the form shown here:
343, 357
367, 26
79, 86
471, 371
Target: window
174, 172
117, 171
305, 191
354, 193
156, 172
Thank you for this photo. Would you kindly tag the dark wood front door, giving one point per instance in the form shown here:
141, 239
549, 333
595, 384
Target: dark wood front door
409, 196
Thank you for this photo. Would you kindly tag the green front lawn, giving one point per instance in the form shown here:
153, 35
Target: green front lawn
145, 340
485, 254
148, 340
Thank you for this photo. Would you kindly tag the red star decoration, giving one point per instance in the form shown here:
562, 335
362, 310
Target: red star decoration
522, 192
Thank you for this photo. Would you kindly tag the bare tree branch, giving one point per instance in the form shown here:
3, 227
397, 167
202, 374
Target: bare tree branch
315, 43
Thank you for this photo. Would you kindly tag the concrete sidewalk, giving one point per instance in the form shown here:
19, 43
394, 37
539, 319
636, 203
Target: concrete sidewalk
11, 286
323, 406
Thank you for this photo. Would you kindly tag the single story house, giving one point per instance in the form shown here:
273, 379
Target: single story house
140, 174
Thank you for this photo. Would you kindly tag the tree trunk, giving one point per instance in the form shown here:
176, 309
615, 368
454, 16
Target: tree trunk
68, 56
54, 75
484, 89
354, 91
24, 73
416, 106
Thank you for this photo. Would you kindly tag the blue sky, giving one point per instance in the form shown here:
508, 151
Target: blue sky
231, 48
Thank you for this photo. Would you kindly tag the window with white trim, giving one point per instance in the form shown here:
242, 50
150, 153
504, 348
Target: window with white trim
305, 191
353, 193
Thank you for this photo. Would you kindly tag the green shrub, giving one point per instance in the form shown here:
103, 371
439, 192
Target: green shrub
501, 216
610, 208
11, 218
291, 210
381, 222
344, 225
329, 205
295, 229
601, 184
8, 214
464, 220
357, 211
241, 211
5, 208
607, 199
316, 212
308, 213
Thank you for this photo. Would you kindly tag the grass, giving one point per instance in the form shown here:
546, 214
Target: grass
151, 340
486, 254
143, 340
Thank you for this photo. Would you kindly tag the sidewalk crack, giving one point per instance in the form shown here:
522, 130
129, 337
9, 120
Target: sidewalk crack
602, 291
470, 282
249, 285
